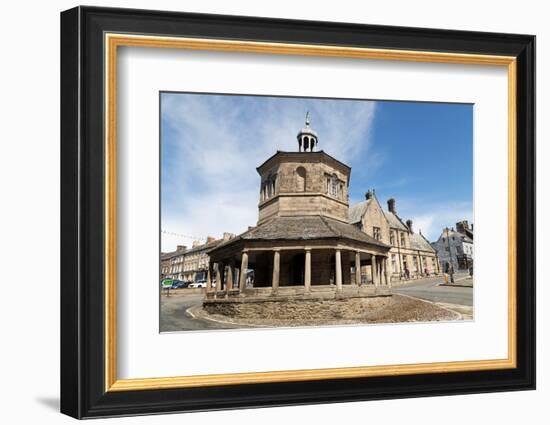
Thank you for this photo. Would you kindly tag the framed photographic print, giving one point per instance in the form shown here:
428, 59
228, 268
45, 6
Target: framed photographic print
261, 212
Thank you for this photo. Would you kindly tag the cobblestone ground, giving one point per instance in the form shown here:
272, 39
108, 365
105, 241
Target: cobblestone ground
394, 309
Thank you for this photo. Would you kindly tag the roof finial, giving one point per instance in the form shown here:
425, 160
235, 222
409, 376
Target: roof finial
307, 118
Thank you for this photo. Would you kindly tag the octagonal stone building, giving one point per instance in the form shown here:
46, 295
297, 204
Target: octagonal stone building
303, 245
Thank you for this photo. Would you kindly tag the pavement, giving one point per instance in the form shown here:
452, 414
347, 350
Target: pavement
434, 290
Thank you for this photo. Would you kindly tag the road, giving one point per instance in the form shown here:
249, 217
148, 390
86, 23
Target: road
174, 316
428, 289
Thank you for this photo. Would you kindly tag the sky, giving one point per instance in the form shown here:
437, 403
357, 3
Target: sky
419, 153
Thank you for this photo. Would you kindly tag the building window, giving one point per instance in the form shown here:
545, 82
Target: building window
376, 233
333, 185
392, 238
402, 239
393, 263
268, 188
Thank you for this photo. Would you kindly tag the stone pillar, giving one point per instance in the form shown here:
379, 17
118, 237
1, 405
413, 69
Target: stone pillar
338, 263
307, 271
244, 267
209, 278
388, 272
357, 268
374, 270
229, 281
219, 276
276, 268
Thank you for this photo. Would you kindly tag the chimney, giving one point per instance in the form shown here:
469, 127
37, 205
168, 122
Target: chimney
410, 225
391, 205
181, 248
368, 194
462, 226
210, 239
196, 244
227, 236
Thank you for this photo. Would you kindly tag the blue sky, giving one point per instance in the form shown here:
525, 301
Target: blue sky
418, 153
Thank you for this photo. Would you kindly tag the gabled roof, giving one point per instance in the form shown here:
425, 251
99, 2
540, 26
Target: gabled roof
357, 211
395, 221
420, 243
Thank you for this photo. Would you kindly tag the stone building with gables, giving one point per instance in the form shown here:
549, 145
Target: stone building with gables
411, 254
456, 247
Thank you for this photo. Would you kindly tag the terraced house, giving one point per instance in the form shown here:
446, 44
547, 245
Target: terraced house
189, 264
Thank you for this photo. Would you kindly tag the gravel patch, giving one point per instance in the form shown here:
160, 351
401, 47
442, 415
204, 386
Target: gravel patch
394, 309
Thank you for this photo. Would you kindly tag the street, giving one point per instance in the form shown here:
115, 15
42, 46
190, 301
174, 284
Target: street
174, 316
428, 289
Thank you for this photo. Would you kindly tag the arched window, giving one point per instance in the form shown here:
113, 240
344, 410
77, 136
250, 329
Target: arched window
301, 179
306, 143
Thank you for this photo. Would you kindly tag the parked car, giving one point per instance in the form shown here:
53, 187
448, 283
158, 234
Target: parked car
179, 284
198, 284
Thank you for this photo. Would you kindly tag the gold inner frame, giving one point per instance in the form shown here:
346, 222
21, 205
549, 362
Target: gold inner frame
113, 41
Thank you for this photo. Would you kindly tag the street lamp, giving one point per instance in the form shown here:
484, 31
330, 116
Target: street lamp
451, 268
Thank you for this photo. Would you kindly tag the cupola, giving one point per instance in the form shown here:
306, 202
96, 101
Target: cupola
307, 137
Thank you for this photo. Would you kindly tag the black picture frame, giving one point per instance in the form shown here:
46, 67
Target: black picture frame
83, 392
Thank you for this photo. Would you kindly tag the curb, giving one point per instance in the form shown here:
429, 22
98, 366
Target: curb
223, 322
458, 315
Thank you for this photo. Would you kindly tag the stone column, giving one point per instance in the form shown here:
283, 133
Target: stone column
307, 271
374, 270
276, 268
388, 272
229, 281
209, 278
338, 263
219, 276
244, 267
357, 268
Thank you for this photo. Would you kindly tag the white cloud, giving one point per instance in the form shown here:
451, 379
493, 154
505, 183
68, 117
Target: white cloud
439, 216
210, 184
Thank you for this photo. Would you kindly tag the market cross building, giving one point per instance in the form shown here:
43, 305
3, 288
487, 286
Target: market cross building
303, 245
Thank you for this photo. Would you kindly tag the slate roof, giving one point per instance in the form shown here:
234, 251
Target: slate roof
457, 235
302, 229
169, 255
357, 211
204, 246
420, 243
395, 221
